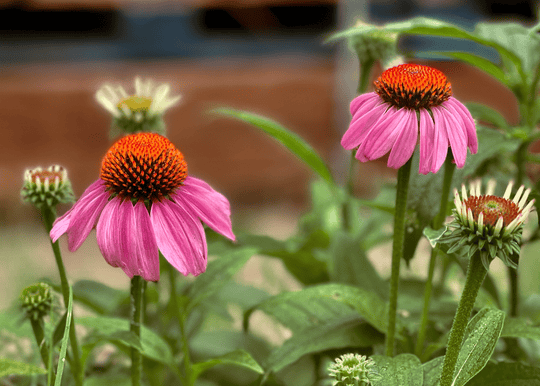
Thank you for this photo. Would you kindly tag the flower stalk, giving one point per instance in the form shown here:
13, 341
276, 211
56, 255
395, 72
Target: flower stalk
449, 168
137, 300
49, 215
476, 274
397, 251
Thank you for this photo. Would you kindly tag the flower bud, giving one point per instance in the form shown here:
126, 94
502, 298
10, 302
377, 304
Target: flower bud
36, 300
47, 188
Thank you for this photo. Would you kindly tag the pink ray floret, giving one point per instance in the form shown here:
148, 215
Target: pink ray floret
130, 236
411, 104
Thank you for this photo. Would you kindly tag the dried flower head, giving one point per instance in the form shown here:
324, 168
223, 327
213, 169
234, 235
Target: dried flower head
353, 370
47, 187
488, 224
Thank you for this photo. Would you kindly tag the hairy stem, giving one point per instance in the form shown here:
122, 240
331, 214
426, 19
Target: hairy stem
397, 252
136, 321
476, 274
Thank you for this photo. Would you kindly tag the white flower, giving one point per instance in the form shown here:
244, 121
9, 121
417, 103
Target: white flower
149, 99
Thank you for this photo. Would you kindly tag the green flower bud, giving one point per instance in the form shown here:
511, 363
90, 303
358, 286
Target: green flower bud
488, 224
36, 300
47, 188
353, 370
373, 43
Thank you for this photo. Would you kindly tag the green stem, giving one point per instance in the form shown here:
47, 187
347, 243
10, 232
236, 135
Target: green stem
476, 274
438, 221
365, 75
137, 299
39, 334
49, 216
397, 251
185, 347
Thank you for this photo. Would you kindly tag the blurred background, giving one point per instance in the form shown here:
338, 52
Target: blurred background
265, 56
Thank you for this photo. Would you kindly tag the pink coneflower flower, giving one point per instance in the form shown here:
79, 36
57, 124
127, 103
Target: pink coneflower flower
408, 99
143, 202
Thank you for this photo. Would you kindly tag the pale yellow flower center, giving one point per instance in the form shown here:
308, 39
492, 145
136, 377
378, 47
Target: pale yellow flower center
135, 103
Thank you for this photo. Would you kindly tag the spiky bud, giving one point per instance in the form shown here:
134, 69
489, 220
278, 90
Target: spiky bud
373, 43
47, 187
353, 370
36, 300
488, 224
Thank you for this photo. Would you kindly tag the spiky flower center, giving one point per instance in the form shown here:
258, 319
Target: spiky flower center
143, 166
493, 208
413, 86
135, 103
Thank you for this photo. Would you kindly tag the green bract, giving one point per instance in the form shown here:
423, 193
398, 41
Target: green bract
488, 224
47, 188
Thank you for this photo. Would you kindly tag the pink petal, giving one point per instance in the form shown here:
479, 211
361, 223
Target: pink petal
472, 139
360, 100
210, 206
60, 226
145, 245
112, 229
382, 136
84, 214
427, 133
357, 130
369, 105
405, 144
440, 141
180, 237
456, 137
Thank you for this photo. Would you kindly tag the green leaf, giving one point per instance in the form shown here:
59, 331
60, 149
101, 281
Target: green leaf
433, 235
238, 358
520, 328
218, 273
404, 369
323, 303
9, 367
98, 296
296, 253
290, 140
507, 374
65, 340
108, 381
482, 334
351, 265
478, 62
432, 371
348, 332
113, 329
486, 113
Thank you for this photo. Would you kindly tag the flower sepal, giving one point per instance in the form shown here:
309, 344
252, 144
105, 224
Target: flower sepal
46, 188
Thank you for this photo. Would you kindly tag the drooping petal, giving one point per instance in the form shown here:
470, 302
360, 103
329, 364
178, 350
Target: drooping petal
60, 226
367, 107
440, 142
112, 232
85, 213
160, 96
383, 135
102, 99
427, 134
361, 99
405, 144
210, 206
145, 247
180, 237
472, 138
456, 137
358, 129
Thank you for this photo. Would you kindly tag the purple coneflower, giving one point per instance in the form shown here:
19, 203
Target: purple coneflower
408, 99
143, 202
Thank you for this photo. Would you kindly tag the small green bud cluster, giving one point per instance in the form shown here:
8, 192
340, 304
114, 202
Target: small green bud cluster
373, 43
353, 370
47, 188
488, 225
36, 300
